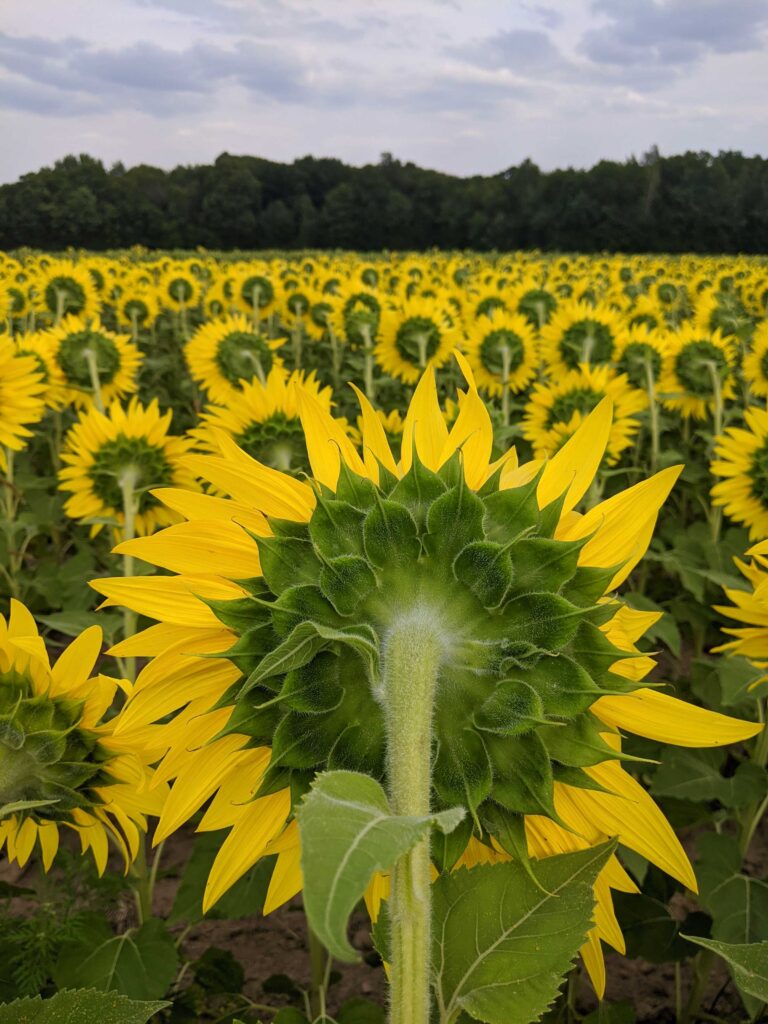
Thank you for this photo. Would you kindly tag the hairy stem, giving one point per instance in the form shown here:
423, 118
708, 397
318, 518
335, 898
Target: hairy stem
411, 662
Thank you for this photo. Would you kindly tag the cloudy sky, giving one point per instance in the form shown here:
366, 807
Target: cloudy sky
466, 86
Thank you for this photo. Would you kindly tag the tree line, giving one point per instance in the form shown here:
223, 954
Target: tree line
694, 202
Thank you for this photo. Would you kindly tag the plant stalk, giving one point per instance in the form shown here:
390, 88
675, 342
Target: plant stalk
128, 481
411, 663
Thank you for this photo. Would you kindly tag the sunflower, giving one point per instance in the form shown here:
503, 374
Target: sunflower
415, 332
557, 409
263, 419
580, 333
63, 289
60, 765
741, 460
136, 306
755, 365
503, 583
536, 302
697, 371
501, 349
356, 315
254, 286
644, 312
179, 288
393, 424
84, 352
639, 354
105, 452
22, 402
223, 355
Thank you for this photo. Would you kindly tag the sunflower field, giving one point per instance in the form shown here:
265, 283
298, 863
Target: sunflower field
383, 637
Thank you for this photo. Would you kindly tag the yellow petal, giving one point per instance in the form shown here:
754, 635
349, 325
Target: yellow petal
195, 505
375, 445
573, 468
287, 880
174, 599
327, 442
219, 548
424, 426
75, 663
658, 716
245, 843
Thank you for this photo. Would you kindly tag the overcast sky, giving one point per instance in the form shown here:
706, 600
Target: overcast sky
466, 86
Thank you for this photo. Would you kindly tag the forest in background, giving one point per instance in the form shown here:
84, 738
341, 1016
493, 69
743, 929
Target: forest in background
694, 202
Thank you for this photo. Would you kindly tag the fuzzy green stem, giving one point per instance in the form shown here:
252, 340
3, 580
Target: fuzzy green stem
93, 370
61, 298
255, 293
296, 344
319, 963
411, 663
365, 330
335, 360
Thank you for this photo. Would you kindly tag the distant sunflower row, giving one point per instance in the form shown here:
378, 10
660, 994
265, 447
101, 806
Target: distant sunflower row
668, 339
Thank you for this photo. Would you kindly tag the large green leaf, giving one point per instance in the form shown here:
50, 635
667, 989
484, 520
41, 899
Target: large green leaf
79, 1007
738, 903
140, 963
695, 775
348, 833
748, 963
501, 944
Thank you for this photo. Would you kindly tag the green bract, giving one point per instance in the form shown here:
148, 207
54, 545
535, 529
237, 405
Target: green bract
522, 658
45, 758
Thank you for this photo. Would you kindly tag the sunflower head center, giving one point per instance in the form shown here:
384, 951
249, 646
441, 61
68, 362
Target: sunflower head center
257, 290
72, 357
277, 441
44, 756
586, 341
537, 306
64, 294
693, 366
636, 360
146, 463
581, 399
417, 339
243, 355
502, 352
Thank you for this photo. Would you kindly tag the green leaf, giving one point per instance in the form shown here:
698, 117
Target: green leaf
688, 774
360, 1011
85, 1006
140, 963
501, 945
347, 834
23, 805
738, 903
245, 898
748, 963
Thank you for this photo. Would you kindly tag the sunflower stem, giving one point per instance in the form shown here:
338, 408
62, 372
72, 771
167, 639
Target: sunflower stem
717, 394
505, 367
93, 370
365, 330
296, 344
411, 663
255, 292
319, 964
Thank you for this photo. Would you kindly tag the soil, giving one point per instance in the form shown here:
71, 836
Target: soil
277, 945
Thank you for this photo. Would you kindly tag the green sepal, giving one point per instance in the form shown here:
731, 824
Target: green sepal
47, 747
542, 619
346, 581
391, 535
300, 784
565, 688
287, 562
508, 829
446, 848
355, 490
462, 772
335, 528
417, 490
510, 512
577, 778
522, 775
451, 472
314, 689
544, 564
486, 568
513, 708
303, 741
454, 520
250, 648
287, 528
549, 517
594, 650
274, 779
588, 584
298, 604
359, 748
299, 648
239, 615
257, 716
580, 744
